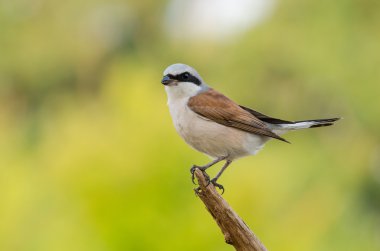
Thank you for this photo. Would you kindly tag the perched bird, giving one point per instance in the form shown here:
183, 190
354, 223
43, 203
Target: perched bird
217, 126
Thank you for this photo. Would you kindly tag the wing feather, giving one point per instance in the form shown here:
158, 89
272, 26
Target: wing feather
266, 118
220, 109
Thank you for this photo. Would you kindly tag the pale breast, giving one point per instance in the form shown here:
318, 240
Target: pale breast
210, 137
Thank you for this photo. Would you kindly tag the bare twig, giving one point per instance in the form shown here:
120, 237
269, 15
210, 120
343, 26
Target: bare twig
236, 232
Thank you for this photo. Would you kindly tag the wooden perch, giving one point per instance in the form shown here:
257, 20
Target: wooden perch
236, 232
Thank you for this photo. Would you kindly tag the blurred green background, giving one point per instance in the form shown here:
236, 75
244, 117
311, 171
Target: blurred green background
90, 160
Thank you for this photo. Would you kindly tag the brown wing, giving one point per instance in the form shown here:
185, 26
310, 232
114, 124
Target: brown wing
217, 107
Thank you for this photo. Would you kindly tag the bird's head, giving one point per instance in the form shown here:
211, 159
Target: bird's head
182, 81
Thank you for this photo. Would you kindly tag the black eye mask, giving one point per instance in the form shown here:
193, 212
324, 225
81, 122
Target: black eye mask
186, 77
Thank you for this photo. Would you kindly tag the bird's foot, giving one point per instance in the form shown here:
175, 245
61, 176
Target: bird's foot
213, 181
192, 171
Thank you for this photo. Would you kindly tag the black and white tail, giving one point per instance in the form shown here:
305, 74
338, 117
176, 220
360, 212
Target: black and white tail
280, 126
307, 124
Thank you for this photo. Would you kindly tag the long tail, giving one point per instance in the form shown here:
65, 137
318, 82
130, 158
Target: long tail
307, 124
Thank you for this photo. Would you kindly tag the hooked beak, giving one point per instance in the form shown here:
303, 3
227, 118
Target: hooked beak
166, 80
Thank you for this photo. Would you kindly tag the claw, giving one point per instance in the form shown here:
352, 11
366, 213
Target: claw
213, 181
192, 170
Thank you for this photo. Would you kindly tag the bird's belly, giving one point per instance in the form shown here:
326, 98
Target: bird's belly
214, 139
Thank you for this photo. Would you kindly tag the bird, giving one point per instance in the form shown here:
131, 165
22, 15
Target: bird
213, 124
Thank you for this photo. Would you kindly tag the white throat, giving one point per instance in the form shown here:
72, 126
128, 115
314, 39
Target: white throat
183, 91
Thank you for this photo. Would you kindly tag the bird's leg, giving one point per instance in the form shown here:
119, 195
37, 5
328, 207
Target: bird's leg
203, 168
213, 181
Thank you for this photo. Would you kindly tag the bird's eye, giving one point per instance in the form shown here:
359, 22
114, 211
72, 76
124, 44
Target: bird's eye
186, 76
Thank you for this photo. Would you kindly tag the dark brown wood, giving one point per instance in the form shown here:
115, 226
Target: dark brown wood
235, 231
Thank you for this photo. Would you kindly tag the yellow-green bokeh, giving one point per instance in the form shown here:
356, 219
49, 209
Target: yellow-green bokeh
89, 159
